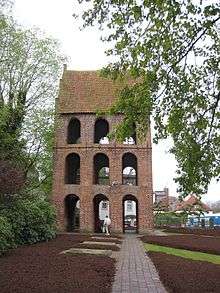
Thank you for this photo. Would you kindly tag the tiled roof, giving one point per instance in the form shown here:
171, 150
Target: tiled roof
86, 92
191, 200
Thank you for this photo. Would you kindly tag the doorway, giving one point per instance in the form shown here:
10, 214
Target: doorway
72, 213
101, 210
130, 214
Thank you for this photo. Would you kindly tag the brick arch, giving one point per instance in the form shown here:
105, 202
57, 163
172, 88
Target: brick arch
134, 199
129, 165
74, 131
132, 140
98, 217
101, 168
72, 168
72, 210
101, 129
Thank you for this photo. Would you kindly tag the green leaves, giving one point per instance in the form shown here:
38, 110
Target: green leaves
171, 51
30, 68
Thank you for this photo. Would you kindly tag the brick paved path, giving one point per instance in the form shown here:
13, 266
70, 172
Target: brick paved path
135, 271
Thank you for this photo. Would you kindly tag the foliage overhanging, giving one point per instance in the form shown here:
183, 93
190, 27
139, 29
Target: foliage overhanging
172, 50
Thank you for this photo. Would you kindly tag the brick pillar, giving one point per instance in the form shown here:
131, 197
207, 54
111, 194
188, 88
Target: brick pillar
115, 192
116, 209
86, 202
86, 210
144, 211
58, 194
115, 167
60, 212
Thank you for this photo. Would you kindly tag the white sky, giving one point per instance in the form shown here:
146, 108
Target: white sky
86, 52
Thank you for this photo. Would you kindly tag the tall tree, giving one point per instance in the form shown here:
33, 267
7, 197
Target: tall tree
39, 130
29, 70
30, 67
171, 48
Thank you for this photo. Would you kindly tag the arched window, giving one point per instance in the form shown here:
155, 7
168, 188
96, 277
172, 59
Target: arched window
132, 139
73, 132
129, 169
72, 169
101, 131
101, 169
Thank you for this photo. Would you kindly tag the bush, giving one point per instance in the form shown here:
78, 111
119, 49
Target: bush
6, 235
167, 219
32, 220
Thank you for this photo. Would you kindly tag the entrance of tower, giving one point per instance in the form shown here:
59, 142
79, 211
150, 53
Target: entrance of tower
130, 214
72, 211
101, 210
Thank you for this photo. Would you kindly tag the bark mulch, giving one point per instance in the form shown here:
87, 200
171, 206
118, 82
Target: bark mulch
181, 275
40, 268
196, 231
190, 242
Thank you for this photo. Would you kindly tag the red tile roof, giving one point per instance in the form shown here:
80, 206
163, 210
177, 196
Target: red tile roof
190, 201
86, 92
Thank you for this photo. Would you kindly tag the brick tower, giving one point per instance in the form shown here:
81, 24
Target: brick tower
90, 170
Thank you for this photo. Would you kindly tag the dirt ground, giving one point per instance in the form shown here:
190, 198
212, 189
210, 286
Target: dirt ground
190, 242
196, 231
40, 268
181, 275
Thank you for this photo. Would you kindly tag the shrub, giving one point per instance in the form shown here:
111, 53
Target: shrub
167, 219
6, 235
32, 220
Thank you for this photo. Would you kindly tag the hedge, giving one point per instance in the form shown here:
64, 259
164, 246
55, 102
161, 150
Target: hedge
25, 222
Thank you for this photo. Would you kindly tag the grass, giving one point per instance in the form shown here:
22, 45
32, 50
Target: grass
184, 253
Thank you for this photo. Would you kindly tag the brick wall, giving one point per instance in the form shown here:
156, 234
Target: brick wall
86, 190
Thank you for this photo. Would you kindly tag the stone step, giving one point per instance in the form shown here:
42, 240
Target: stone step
100, 243
104, 238
87, 251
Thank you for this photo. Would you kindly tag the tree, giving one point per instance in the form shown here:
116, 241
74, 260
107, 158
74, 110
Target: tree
11, 178
29, 70
5, 6
30, 67
170, 48
196, 209
39, 130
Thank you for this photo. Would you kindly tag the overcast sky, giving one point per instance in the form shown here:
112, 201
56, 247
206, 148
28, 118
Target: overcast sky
86, 52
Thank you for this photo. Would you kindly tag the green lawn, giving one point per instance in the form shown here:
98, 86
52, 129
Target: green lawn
184, 253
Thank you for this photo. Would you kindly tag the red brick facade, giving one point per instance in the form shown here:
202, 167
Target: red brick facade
76, 86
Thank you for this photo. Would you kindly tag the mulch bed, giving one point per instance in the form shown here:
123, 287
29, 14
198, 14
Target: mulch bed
190, 242
41, 268
196, 231
181, 275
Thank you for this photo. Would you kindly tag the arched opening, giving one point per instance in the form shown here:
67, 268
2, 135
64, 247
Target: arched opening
72, 212
130, 214
101, 169
132, 139
72, 169
101, 131
101, 210
129, 169
73, 132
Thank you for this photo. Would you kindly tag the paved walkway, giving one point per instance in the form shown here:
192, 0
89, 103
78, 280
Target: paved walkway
135, 271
